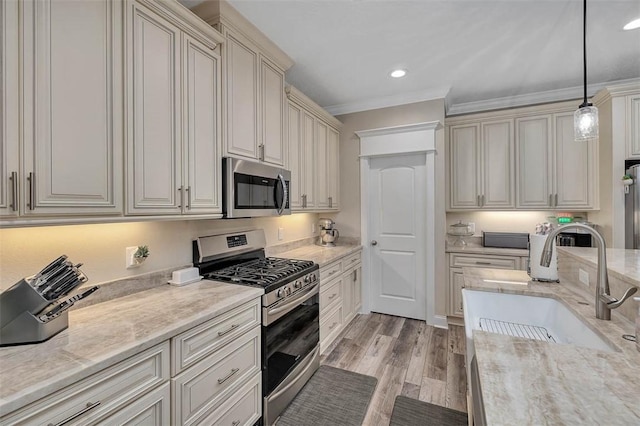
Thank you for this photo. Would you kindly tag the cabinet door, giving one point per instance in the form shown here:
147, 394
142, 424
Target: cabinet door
322, 175
347, 296
456, 284
152, 409
309, 166
575, 168
294, 138
534, 167
497, 172
73, 107
633, 126
464, 166
241, 98
9, 120
201, 124
333, 168
154, 147
272, 102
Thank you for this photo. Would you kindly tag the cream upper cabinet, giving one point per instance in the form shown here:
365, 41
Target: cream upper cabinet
300, 138
69, 94
535, 162
481, 165
633, 126
173, 146
9, 122
313, 145
240, 99
575, 167
554, 170
272, 102
255, 103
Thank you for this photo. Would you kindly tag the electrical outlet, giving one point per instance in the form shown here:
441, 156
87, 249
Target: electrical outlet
280, 234
583, 276
472, 227
130, 260
313, 228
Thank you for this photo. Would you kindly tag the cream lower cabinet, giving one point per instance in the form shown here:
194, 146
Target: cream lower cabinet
340, 296
456, 277
173, 151
136, 388
217, 370
68, 88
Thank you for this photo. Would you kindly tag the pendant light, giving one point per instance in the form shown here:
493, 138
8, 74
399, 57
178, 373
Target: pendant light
585, 119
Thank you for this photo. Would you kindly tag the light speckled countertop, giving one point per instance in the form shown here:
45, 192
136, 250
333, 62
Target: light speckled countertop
104, 334
530, 382
321, 255
621, 263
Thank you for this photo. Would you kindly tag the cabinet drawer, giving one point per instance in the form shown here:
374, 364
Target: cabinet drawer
484, 261
152, 409
107, 391
199, 390
351, 260
330, 327
329, 272
330, 295
243, 408
199, 342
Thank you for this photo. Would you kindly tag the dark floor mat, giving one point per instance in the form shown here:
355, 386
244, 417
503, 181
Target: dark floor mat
411, 412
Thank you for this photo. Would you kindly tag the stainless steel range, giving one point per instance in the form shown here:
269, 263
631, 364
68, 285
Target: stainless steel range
290, 309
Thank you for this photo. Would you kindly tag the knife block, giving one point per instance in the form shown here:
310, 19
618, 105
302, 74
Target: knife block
19, 324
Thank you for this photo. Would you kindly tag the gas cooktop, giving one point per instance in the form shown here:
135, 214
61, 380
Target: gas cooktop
262, 272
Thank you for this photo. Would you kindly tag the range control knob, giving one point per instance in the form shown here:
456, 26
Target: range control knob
307, 280
280, 293
297, 284
314, 277
288, 290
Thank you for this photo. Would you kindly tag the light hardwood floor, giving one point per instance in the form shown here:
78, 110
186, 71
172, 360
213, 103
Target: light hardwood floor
407, 357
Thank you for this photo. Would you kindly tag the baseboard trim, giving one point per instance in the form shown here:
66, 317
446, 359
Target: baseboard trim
440, 321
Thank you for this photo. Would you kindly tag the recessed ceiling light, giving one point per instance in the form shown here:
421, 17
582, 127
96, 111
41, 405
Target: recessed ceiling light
398, 73
632, 25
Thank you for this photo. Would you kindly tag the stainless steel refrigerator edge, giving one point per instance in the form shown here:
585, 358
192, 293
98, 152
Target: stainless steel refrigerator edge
632, 210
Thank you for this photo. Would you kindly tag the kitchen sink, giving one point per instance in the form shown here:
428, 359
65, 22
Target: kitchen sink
533, 317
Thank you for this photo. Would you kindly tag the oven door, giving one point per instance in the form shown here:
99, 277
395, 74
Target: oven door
253, 189
290, 332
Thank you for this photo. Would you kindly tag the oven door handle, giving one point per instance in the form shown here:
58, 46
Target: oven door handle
285, 194
305, 295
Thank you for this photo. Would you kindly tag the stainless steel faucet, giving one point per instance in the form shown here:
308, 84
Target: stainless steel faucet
604, 302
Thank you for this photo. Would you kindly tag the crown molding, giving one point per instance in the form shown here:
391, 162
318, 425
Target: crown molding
536, 98
296, 96
389, 101
617, 88
430, 125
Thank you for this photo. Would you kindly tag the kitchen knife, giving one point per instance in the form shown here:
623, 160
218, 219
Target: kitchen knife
56, 280
63, 306
45, 280
51, 266
64, 287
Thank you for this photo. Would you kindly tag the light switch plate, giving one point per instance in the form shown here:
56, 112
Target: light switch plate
280, 234
583, 276
130, 261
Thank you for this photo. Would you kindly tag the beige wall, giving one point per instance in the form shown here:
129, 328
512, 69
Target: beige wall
348, 220
101, 248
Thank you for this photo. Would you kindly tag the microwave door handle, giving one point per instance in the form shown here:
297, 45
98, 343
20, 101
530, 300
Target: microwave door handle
284, 194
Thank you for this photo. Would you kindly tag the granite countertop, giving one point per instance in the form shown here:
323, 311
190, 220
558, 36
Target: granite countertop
321, 255
531, 382
104, 334
621, 263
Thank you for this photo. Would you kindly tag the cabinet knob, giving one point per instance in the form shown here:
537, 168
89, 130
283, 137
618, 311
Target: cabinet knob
374, 243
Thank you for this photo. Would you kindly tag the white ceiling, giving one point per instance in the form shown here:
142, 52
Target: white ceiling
480, 50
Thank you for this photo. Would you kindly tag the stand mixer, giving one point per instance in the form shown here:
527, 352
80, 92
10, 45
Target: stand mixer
328, 234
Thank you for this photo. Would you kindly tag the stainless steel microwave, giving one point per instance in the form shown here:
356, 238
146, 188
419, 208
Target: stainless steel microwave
252, 189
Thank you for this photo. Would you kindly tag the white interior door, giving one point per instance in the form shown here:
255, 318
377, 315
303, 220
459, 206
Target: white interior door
397, 194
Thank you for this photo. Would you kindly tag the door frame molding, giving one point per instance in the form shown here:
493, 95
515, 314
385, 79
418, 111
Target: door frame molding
419, 139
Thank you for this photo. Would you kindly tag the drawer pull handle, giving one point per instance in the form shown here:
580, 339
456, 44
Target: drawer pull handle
483, 263
228, 330
14, 191
89, 406
236, 423
228, 376
331, 273
332, 326
333, 295
32, 185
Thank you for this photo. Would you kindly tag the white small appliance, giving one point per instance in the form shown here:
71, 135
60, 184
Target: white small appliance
537, 271
328, 234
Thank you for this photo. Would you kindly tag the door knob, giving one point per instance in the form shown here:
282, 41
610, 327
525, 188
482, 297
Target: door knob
374, 243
